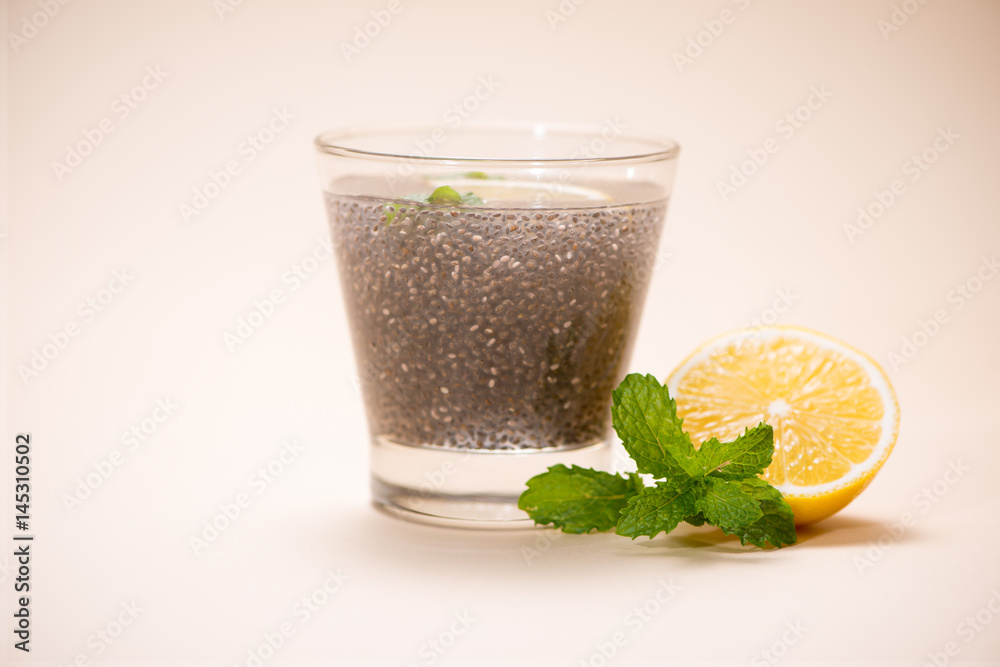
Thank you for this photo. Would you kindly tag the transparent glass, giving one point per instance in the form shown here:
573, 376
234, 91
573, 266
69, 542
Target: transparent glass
491, 318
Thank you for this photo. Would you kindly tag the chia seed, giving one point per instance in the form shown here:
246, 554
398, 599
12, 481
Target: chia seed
555, 334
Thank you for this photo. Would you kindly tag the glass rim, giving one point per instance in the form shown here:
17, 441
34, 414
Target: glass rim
661, 148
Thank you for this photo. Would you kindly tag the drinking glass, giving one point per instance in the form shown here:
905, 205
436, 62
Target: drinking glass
493, 278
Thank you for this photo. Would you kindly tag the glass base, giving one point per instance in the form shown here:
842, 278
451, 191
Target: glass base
466, 488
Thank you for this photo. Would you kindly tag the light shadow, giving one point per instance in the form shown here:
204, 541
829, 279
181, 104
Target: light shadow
845, 531
837, 531
401, 546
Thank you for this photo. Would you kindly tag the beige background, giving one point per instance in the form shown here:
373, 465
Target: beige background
535, 595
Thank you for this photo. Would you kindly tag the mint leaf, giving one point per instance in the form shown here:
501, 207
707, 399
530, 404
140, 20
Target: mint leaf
748, 455
442, 196
656, 509
715, 484
645, 418
726, 504
391, 211
696, 519
777, 525
445, 195
578, 499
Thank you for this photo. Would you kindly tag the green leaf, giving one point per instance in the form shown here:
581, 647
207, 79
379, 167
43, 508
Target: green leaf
777, 525
727, 505
715, 484
746, 456
391, 210
696, 519
578, 499
645, 418
656, 509
445, 195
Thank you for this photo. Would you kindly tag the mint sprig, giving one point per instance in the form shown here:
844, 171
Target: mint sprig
716, 483
442, 196
579, 499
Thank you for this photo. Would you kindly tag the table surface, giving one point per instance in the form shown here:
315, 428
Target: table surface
100, 253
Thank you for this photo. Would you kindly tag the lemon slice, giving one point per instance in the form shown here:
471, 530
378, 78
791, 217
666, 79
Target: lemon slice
834, 413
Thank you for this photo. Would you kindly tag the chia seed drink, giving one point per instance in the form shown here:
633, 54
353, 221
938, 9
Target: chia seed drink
493, 280
485, 328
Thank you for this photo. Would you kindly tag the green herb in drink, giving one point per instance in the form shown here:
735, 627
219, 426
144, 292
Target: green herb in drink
442, 196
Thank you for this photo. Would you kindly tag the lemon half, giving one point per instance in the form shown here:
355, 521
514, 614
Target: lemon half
834, 413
